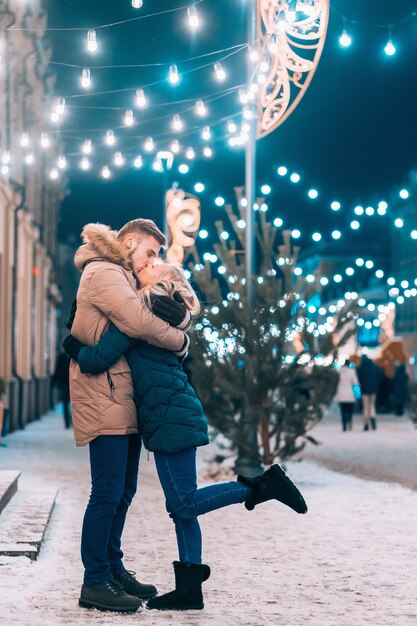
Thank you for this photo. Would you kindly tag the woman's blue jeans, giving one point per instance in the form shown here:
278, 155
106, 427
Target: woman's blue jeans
114, 462
185, 502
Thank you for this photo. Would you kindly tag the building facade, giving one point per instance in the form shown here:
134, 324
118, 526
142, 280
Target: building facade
29, 206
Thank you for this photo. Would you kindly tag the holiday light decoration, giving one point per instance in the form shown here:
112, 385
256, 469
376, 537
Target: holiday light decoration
183, 217
140, 99
91, 40
299, 30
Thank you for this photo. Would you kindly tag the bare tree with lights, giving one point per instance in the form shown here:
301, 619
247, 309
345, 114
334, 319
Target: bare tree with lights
272, 362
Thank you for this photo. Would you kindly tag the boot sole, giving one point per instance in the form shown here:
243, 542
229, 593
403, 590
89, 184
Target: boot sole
303, 509
86, 604
183, 607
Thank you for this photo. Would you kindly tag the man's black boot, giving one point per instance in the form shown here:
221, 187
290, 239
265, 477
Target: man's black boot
187, 595
273, 484
133, 587
108, 596
373, 423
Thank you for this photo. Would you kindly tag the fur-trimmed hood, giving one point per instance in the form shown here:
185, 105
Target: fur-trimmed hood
101, 244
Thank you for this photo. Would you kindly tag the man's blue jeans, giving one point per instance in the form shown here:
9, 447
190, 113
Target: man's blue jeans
114, 462
185, 502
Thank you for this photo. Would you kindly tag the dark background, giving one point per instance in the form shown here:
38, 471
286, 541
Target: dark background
353, 137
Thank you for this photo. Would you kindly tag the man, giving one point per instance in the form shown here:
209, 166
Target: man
103, 408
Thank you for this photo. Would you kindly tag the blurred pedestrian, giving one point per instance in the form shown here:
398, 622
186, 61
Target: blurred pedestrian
400, 389
345, 394
369, 376
60, 380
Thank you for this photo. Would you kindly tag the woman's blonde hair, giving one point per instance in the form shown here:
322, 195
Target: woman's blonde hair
171, 280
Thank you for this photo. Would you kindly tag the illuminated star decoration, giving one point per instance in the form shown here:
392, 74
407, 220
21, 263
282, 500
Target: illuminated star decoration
291, 37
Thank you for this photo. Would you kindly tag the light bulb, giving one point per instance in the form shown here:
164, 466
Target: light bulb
190, 154
5, 157
253, 53
54, 117
175, 146
87, 146
29, 159
60, 106
128, 118
173, 76
273, 47
137, 4
138, 162
345, 40
206, 133
62, 162
149, 144
140, 99
231, 127
109, 138
24, 140
118, 159
247, 113
219, 71
85, 164
200, 108
91, 40
45, 141
183, 168
86, 78
105, 172
207, 151
53, 174
177, 123
243, 96
5, 169
390, 49
193, 20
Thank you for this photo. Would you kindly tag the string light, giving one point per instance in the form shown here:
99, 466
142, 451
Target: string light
85, 164
193, 20
140, 99
295, 178
24, 140
183, 168
45, 141
62, 162
200, 108
149, 144
199, 187
177, 123
6, 157
190, 154
404, 194
128, 118
29, 159
54, 174
390, 49
173, 76
118, 159
137, 4
110, 138
313, 194
87, 147
175, 146
105, 172
219, 71
207, 151
138, 161
86, 78
206, 133
345, 40
231, 127
91, 40
219, 201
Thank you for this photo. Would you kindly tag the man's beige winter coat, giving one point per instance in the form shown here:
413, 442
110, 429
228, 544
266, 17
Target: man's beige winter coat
103, 404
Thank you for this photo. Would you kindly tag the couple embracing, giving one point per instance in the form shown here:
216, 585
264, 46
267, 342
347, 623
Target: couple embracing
128, 387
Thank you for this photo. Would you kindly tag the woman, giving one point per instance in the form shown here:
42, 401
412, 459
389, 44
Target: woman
345, 394
173, 425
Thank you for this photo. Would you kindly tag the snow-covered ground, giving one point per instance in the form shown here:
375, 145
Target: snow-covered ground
349, 561
386, 454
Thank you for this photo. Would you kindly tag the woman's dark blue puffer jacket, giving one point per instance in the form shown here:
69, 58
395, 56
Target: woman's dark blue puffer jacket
170, 415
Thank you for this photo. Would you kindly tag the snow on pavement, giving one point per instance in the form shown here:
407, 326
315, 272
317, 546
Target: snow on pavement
386, 454
349, 561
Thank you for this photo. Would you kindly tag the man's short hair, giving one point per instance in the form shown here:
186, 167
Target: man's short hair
142, 226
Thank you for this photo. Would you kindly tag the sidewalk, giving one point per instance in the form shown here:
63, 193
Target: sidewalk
349, 561
387, 454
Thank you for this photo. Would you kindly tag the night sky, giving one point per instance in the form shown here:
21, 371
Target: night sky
353, 137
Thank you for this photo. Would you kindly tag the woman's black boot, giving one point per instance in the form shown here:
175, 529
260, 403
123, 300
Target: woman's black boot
273, 484
187, 595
